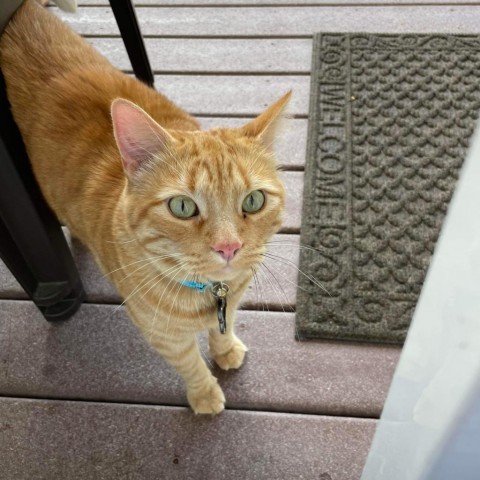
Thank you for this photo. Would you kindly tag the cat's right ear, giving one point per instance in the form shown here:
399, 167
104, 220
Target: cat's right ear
139, 138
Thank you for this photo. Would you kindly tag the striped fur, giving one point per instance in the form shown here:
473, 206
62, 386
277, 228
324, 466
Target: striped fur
108, 153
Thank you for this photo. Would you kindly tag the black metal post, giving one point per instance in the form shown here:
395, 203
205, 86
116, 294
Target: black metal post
126, 18
32, 244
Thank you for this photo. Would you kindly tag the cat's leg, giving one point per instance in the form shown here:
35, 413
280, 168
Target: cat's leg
203, 392
227, 349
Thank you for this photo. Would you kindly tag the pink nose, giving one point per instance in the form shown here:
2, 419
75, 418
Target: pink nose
227, 250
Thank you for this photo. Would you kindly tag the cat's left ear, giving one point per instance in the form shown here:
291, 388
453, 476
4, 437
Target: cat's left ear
265, 126
139, 137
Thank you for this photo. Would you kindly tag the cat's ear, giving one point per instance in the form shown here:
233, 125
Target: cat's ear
265, 126
139, 138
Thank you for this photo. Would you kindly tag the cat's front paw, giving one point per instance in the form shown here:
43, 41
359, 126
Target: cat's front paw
233, 358
208, 399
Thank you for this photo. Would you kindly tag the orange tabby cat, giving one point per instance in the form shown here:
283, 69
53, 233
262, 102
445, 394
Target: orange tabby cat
167, 209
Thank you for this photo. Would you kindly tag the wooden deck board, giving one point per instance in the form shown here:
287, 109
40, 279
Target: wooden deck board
290, 145
100, 355
111, 442
230, 95
291, 3
281, 21
210, 55
276, 281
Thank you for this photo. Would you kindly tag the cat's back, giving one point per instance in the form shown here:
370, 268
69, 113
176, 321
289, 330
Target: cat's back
35, 48
37, 42
61, 90
45, 64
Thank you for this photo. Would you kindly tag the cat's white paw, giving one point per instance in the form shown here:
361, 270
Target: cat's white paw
233, 358
207, 400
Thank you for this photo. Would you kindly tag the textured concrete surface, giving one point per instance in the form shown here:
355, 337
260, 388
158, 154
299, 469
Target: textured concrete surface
99, 355
45, 440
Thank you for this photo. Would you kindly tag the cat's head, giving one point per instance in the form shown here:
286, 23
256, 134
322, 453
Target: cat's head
208, 199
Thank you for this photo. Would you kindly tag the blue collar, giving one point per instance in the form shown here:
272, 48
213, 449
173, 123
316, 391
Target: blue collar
200, 287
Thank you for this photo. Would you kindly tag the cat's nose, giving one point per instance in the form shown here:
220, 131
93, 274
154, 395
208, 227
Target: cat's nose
227, 250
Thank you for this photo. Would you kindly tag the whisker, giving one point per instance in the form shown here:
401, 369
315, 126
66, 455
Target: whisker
179, 267
296, 245
285, 279
264, 302
254, 274
292, 309
257, 288
173, 303
142, 260
152, 323
129, 264
161, 297
137, 289
289, 262
146, 265
297, 336
280, 288
118, 307
274, 289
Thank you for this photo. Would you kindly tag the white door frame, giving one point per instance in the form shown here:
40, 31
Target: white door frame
434, 398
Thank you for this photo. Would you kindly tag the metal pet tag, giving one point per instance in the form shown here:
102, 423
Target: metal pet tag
220, 291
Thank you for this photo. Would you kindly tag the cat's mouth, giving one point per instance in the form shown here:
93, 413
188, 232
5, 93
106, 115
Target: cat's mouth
214, 270
225, 273
233, 269
229, 271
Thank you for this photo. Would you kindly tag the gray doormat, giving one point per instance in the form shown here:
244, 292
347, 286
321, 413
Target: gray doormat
390, 122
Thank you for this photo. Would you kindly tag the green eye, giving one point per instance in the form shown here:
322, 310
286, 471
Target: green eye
183, 207
253, 202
